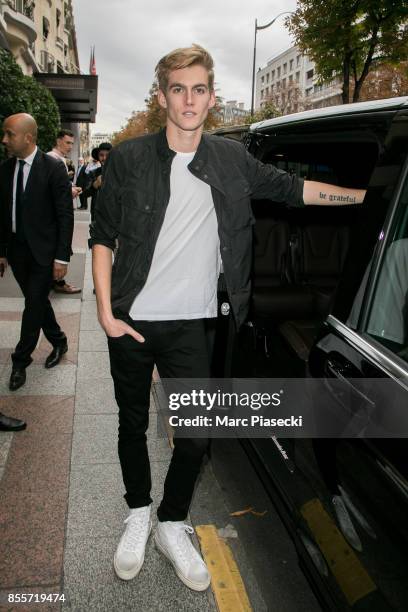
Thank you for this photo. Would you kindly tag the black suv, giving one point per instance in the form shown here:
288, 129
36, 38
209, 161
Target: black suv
330, 300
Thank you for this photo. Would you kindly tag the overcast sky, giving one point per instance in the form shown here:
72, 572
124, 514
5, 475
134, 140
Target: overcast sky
130, 37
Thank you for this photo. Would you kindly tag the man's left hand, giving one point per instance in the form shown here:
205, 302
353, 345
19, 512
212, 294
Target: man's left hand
59, 271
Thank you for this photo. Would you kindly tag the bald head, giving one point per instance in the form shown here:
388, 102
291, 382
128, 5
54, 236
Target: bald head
20, 134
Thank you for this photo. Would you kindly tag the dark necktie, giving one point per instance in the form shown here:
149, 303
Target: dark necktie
19, 202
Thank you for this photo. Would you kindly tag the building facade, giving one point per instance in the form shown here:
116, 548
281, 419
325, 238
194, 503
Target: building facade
289, 81
98, 138
42, 38
231, 112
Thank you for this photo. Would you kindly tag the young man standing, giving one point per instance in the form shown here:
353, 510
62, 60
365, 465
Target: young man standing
177, 203
61, 151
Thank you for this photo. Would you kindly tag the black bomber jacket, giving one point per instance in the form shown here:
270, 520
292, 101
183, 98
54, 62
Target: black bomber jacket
135, 192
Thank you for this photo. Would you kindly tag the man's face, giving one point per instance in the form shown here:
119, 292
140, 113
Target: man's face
103, 156
65, 144
188, 98
17, 141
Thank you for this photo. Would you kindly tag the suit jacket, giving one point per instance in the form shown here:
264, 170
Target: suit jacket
47, 213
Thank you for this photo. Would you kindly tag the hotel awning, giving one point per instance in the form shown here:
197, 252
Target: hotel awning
75, 94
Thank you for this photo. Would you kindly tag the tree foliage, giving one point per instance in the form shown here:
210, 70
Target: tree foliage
349, 38
23, 94
268, 111
135, 126
386, 81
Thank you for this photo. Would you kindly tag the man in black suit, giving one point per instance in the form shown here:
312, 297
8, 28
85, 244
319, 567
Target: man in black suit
36, 227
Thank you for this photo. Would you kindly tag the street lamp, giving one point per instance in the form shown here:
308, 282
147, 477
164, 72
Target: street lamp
257, 27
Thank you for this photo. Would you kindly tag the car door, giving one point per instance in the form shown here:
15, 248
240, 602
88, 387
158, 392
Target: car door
364, 483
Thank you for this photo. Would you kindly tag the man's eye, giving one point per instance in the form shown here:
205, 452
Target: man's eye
177, 89
200, 90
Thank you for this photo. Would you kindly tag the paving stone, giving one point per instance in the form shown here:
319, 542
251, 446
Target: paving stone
96, 504
9, 333
97, 442
93, 341
95, 398
5, 443
40, 381
89, 322
93, 365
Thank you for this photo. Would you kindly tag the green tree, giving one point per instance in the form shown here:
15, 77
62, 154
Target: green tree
45, 111
155, 114
349, 38
135, 126
23, 94
268, 111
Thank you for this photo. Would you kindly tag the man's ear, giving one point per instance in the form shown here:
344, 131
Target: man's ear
212, 100
161, 99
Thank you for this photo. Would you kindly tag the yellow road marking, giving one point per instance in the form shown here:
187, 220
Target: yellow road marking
350, 574
228, 587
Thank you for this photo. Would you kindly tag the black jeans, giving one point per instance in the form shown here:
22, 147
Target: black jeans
35, 283
179, 350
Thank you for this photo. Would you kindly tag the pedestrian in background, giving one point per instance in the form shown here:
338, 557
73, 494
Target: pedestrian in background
36, 227
61, 150
81, 180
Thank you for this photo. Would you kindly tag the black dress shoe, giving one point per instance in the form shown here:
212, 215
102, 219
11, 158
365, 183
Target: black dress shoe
17, 378
10, 424
55, 356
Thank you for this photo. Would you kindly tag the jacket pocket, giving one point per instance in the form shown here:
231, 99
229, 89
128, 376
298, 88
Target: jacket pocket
137, 214
238, 205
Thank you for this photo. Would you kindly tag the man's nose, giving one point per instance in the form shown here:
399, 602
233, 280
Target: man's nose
189, 97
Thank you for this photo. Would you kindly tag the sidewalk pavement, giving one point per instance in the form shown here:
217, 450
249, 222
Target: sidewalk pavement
61, 490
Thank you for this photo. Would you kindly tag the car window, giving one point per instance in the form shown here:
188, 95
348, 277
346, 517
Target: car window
387, 321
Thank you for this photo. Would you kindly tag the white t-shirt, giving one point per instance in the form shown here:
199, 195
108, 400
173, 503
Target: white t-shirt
182, 281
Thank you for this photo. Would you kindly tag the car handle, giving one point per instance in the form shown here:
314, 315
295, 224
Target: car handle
339, 371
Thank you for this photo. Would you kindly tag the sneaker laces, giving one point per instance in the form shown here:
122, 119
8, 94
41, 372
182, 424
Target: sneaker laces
135, 530
184, 543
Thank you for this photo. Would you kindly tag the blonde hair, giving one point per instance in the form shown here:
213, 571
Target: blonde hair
183, 58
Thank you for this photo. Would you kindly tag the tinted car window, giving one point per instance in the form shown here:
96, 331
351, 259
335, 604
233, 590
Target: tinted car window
388, 315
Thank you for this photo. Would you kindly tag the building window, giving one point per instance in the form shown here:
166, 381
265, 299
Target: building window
262, 94
46, 28
272, 88
291, 65
308, 91
273, 75
267, 78
291, 79
297, 77
266, 92
298, 61
262, 80
285, 68
283, 83
278, 85
309, 74
279, 72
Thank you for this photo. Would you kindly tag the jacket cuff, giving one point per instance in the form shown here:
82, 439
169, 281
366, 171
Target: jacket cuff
108, 243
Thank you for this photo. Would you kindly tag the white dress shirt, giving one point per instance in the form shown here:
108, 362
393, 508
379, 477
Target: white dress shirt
26, 172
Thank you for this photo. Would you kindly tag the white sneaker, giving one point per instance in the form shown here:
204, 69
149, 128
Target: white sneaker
129, 555
172, 540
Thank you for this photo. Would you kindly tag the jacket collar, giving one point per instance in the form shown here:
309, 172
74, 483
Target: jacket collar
166, 153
